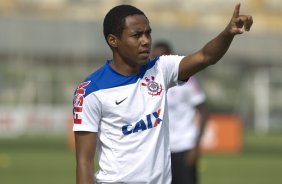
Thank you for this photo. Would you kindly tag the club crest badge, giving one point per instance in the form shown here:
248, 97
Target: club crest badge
153, 87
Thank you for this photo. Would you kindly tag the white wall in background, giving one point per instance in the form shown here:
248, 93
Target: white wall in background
16, 121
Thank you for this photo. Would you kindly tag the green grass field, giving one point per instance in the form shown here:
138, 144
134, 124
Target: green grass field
47, 160
259, 163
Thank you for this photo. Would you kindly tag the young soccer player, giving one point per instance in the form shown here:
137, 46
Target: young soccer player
120, 110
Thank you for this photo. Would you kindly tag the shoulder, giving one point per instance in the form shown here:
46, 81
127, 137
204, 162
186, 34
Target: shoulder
170, 58
91, 83
152, 62
169, 62
164, 60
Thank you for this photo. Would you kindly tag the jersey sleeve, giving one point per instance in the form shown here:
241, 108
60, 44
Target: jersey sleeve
86, 109
197, 94
170, 68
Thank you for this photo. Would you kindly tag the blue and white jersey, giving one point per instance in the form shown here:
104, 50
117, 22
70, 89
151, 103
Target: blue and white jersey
130, 117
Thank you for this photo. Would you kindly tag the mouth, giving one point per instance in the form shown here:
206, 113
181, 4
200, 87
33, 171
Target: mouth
145, 53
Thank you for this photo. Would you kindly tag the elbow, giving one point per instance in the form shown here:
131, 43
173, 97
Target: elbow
212, 60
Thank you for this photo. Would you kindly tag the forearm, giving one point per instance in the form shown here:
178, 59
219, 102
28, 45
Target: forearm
210, 54
203, 118
200, 134
84, 173
85, 152
215, 49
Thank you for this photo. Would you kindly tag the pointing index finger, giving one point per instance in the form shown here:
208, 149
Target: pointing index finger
237, 10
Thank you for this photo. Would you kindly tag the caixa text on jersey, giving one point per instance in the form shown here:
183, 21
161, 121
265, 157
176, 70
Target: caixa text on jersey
151, 121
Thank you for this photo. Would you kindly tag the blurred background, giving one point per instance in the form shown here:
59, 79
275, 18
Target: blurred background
47, 47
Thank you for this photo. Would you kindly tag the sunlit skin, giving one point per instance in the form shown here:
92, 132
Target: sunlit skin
132, 49
213, 51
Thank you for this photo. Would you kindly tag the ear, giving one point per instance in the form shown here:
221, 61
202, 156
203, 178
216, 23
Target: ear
112, 40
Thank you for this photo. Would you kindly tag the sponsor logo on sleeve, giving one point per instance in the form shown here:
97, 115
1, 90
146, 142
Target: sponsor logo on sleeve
78, 102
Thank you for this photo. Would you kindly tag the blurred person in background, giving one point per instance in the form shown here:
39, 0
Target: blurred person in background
120, 110
187, 120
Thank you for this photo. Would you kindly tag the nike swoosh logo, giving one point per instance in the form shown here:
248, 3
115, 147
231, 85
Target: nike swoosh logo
117, 103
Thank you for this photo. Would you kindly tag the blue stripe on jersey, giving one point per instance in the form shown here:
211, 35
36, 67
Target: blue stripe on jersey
106, 77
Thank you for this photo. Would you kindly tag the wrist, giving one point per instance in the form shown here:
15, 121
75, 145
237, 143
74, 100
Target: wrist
227, 33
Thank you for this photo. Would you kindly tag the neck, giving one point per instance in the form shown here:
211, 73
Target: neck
123, 67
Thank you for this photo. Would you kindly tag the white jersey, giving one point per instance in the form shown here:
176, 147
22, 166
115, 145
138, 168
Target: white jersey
182, 100
131, 120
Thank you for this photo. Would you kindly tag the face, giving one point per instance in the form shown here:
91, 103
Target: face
134, 45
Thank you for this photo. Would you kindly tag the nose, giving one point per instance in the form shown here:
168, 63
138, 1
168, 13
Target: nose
146, 40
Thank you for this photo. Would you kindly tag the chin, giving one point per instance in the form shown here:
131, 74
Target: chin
143, 61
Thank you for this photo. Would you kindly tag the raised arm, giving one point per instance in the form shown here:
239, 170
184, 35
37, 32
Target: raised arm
85, 143
213, 51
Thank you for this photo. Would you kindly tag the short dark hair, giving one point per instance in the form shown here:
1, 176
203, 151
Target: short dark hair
115, 19
163, 44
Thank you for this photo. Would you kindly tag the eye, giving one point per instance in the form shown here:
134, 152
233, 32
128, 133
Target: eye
137, 35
